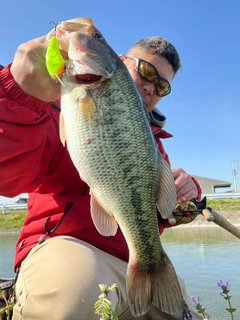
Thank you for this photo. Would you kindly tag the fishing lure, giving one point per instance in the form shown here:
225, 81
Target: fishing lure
54, 61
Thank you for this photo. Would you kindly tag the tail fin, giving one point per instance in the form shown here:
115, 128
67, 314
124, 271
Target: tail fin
160, 287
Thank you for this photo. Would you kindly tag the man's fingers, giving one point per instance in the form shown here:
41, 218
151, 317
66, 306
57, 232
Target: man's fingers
38, 40
185, 196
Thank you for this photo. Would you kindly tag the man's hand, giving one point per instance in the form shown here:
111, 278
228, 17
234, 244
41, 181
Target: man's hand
29, 71
185, 187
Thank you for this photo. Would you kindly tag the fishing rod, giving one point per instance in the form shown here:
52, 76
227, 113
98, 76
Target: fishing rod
187, 212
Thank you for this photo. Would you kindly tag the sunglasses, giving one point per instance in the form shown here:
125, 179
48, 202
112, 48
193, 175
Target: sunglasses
148, 72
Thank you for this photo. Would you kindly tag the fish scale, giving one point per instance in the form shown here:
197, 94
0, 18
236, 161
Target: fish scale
111, 144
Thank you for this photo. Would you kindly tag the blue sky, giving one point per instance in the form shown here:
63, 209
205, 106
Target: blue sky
203, 109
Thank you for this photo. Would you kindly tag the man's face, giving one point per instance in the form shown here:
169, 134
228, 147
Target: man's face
147, 89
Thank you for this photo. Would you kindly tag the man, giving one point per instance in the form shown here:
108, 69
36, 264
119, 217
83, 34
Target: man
60, 256
164, 58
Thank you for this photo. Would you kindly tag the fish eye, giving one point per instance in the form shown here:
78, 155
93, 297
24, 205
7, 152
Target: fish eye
97, 35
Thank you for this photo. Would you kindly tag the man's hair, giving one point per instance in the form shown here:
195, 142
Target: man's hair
161, 47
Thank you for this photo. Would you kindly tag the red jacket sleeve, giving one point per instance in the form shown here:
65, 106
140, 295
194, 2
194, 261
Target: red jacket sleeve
24, 152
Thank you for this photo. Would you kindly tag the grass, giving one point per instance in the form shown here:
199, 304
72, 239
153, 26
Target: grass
224, 204
13, 219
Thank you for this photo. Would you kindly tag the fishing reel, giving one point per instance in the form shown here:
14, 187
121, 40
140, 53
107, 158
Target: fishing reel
186, 212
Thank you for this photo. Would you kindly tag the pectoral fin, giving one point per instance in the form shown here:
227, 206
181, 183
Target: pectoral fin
167, 198
62, 130
104, 222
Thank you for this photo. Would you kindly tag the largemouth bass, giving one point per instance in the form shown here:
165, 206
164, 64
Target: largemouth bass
107, 132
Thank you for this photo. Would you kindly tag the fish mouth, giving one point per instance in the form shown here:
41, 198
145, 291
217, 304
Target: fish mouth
87, 78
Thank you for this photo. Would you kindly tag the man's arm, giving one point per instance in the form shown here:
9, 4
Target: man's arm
26, 90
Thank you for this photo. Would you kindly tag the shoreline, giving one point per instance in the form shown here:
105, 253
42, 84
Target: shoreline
9, 233
199, 222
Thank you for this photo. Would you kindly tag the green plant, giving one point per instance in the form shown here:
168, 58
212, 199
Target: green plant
224, 294
199, 308
9, 298
103, 306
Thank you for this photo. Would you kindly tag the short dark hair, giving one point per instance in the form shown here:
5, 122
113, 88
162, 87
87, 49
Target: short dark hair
161, 47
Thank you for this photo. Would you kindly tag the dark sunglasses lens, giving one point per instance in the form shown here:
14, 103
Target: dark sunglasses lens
147, 71
163, 88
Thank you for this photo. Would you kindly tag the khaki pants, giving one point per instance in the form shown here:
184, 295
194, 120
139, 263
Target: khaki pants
59, 280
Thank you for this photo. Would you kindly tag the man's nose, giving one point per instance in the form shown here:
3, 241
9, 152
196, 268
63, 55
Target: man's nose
149, 87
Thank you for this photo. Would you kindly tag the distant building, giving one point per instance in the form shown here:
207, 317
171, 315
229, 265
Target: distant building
21, 201
210, 185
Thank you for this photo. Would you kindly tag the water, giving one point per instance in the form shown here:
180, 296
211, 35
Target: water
201, 256
7, 251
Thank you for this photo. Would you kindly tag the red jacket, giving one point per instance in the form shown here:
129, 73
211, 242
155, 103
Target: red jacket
33, 160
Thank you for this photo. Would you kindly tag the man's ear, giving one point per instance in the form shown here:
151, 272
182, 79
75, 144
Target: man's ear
122, 57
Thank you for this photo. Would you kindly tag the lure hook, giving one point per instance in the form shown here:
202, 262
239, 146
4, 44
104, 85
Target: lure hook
55, 26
